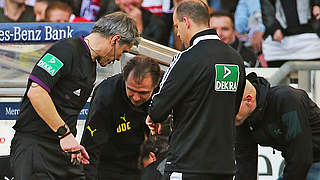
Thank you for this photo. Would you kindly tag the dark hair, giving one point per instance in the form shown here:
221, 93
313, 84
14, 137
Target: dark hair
141, 66
223, 14
198, 11
158, 145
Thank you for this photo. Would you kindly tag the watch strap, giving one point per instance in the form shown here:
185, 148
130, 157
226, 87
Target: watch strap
65, 135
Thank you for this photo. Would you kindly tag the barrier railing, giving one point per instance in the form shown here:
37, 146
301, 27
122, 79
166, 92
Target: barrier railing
304, 74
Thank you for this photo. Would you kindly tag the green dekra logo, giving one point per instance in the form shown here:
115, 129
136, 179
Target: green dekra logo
50, 63
227, 77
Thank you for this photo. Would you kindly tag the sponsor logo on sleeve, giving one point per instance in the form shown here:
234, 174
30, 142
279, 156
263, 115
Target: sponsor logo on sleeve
227, 77
77, 92
50, 63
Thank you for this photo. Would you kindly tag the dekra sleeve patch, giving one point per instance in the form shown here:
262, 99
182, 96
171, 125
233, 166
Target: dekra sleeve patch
50, 63
227, 77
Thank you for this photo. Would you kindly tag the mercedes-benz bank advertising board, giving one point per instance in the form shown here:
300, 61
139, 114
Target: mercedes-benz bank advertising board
270, 162
42, 32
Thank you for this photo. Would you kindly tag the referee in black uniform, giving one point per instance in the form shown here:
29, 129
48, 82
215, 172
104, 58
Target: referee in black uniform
59, 85
203, 86
115, 127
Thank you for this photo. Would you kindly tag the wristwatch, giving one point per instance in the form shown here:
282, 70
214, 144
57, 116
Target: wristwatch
62, 130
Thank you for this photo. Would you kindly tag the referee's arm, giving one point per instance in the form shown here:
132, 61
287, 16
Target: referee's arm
43, 104
176, 82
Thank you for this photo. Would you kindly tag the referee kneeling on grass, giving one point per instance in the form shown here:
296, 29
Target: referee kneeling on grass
44, 146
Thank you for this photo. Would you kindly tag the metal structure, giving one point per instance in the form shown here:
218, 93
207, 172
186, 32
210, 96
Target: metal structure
15, 87
304, 74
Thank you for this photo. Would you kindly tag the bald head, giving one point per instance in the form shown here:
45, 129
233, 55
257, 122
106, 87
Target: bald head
248, 103
249, 89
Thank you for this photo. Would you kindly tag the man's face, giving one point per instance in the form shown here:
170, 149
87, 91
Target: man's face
223, 26
124, 4
113, 54
39, 10
139, 91
59, 15
181, 30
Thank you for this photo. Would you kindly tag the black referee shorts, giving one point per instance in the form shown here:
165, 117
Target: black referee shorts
33, 158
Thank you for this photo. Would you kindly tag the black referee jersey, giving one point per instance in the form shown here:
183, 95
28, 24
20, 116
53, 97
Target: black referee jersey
67, 72
203, 86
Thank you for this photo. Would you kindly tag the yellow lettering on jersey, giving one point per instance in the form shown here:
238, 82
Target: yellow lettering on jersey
123, 127
91, 131
128, 126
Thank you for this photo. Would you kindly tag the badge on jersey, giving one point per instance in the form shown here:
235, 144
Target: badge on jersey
227, 77
50, 63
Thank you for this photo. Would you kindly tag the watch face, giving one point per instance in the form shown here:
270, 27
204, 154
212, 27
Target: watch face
61, 130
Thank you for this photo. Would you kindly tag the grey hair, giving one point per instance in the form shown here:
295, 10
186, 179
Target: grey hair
118, 23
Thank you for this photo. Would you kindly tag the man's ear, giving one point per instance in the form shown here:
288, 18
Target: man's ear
187, 21
152, 156
250, 100
115, 39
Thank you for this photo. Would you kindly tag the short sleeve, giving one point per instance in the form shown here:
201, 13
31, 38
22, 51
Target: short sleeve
53, 65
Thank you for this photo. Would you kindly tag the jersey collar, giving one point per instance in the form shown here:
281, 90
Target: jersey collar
204, 35
84, 43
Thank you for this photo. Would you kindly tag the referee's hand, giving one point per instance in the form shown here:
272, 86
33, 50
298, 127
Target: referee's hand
70, 145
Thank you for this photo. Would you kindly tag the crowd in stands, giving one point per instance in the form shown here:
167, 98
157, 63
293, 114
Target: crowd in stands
265, 32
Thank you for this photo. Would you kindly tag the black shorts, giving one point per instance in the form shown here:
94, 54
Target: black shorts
33, 158
191, 176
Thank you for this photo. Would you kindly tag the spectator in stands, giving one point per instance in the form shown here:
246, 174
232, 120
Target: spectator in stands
39, 9
153, 157
115, 126
223, 23
289, 31
215, 4
16, 11
58, 12
154, 6
2, 3
61, 12
223, 5
90, 9
280, 117
248, 23
150, 25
